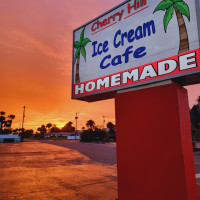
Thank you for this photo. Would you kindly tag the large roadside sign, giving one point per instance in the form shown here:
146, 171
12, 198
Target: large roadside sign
136, 43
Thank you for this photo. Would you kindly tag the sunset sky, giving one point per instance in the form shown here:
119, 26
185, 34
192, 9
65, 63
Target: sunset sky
36, 61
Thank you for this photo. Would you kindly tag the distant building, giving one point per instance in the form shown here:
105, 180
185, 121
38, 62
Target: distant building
7, 138
61, 134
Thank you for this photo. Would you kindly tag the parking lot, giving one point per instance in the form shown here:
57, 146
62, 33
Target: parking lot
34, 170
61, 170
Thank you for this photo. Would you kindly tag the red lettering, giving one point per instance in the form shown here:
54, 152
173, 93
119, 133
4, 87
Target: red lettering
109, 18
105, 22
138, 4
130, 7
94, 29
100, 24
141, 3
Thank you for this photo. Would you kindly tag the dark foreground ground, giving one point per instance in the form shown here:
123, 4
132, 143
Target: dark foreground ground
61, 170
39, 171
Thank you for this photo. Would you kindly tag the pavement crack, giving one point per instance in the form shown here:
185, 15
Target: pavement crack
52, 196
88, 184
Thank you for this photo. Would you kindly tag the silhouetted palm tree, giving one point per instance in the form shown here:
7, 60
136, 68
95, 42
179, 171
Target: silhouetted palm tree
68, 127
90, 124
10, 117
42, 130
2, 120
110, 125
49, 125
2, 113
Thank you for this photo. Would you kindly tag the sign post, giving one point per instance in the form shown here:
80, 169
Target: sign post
154, 145
144, 44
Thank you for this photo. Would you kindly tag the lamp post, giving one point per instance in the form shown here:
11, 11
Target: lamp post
0, 127
22, 134
103, 120
76, 118
23, 119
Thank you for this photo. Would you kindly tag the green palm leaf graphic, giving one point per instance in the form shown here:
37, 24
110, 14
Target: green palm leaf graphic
183, 9
168, 16
163, 5
80, 49
77, 45
83, 52
80, 46
85, 41
82, 35
175, 1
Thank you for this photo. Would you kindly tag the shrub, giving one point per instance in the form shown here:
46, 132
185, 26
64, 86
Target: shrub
94, 136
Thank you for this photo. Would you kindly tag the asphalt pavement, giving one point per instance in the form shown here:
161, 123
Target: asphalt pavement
61, 170
98, 152
40, 171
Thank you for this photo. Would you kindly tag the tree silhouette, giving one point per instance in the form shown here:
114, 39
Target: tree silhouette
49, 125
111, 133
181, 8
110, 125
68, 127
2, 120
90, 124
9, 122
6, 123
55, 129
42, 130
2, 113
80, 49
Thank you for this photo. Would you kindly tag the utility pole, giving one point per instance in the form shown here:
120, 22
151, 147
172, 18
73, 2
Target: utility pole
23, 118
103, 120
76, 118
0, 127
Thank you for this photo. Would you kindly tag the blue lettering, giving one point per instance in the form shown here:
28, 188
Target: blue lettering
116, 45
116, 60
102, 66
105, 46
139, 53
147, 27
124, 35
138, 33
131, 37
99, 51
94, 49
128, 51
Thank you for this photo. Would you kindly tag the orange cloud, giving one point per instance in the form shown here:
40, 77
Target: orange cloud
36, 61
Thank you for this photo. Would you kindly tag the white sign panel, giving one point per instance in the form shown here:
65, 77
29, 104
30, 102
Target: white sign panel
119, 49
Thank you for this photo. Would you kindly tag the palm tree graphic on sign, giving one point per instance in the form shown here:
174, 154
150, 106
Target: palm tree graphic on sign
181, 8
80, 50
